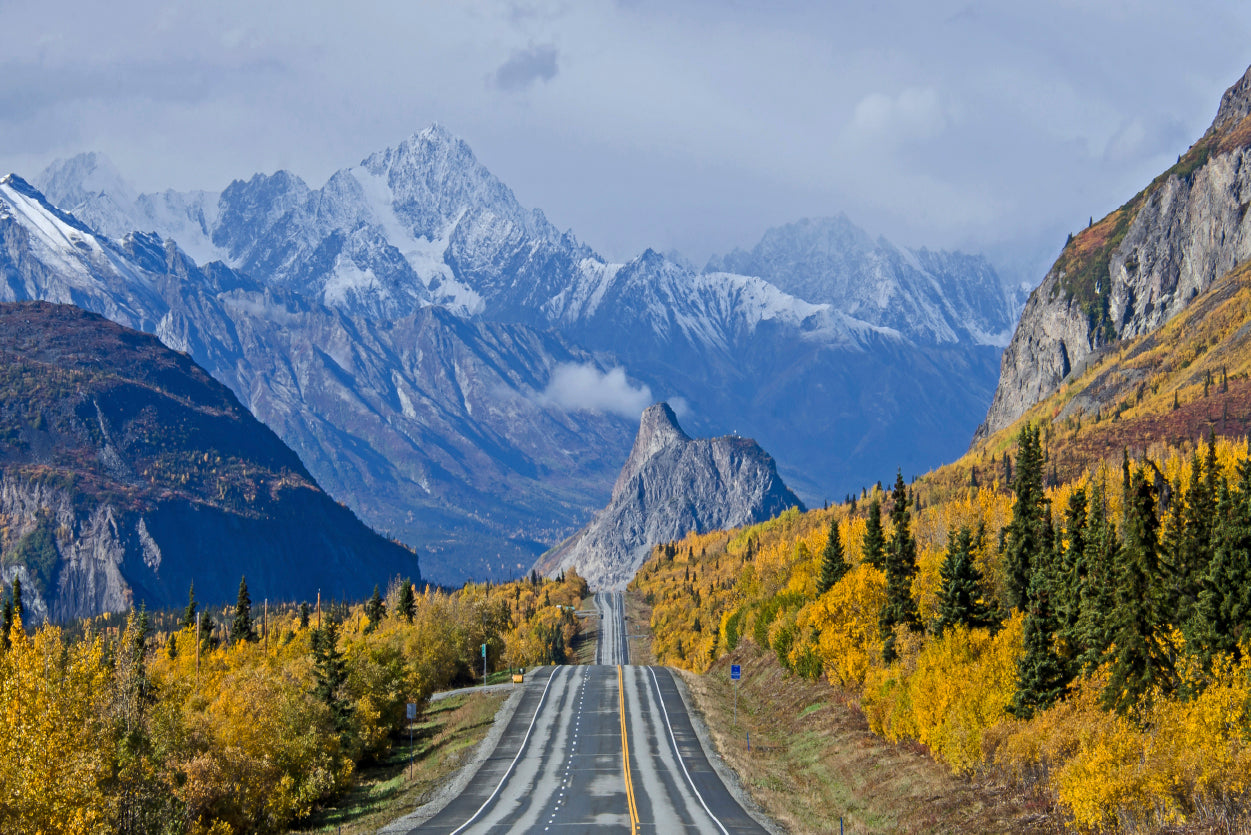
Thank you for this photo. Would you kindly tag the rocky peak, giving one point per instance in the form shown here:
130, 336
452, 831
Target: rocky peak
1235, 104
658, 430
72, 182
671, 485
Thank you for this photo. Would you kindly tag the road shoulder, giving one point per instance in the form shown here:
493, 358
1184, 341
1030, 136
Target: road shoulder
728, 776
452, 788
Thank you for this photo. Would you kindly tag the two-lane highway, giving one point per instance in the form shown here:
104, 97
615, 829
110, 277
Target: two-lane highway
613, 647
602, 747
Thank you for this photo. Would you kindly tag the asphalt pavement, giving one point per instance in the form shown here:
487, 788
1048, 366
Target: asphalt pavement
606, 747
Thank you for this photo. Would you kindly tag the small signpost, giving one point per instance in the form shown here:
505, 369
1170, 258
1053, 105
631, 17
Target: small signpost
412, 714
484, 665
736, 672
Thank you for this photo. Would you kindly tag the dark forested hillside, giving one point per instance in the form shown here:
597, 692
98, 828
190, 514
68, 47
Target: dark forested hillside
128, 473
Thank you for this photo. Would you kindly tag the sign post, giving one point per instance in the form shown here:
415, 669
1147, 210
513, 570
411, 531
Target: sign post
412, 714
484, 674
736, 672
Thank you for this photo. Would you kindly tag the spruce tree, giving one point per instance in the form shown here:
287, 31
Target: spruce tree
1040, 675
1194, 546
304, 612
1223, 612
19, 611
330, 672
833, 562
900, 608
1141, 657
6, 621
961, 598
1072, 575
375, 610
241, 628
188, 614
407, 606
874, 544
207, 625
1025, 532
1092, 634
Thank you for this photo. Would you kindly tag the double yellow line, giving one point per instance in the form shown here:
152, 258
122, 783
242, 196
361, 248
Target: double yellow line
625, 756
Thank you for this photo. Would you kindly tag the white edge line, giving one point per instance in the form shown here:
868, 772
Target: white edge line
520, 751
678, 753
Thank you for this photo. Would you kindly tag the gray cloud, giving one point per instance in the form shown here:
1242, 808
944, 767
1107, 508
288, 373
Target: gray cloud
574, 387
691, 126
526, 66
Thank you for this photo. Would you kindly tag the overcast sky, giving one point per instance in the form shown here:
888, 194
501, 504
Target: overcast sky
992, 127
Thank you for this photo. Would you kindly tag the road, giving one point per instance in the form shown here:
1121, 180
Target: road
606, 747
612, 647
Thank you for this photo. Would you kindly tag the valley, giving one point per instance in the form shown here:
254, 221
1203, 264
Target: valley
345, 487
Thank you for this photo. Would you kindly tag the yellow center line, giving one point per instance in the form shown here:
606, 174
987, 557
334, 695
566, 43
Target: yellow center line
625, 756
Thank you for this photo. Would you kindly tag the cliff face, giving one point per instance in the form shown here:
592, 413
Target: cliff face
671, 485
127, 473
1134, 270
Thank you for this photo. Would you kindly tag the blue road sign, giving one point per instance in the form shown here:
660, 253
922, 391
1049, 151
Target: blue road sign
735, 672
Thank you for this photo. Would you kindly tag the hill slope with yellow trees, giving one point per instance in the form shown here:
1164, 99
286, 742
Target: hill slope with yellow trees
131, 729
1067, 607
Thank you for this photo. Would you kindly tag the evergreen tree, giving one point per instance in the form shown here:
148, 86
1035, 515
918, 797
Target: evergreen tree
900, 608
833, 563
1141, 653
407, 607
188, 614
961, 598
1092, 634
1070, 587
1025, 533
1194, 544
207, 625
1040, 675
19, 611
304, 615
6, 621
1223, 612
241, 628
375, 610
874, 545
330, 672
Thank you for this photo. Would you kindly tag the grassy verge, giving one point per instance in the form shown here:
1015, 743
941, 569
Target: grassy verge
814, 760
638, 629
386, 790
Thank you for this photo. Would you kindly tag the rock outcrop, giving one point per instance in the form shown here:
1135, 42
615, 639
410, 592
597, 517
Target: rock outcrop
670, 486
1137, 268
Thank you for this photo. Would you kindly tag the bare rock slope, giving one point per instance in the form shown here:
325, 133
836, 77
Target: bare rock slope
1131, 272
671, 485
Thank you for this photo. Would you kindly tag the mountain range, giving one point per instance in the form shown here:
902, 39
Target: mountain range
465, 376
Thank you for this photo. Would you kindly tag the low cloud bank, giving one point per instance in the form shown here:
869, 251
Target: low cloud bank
585, 388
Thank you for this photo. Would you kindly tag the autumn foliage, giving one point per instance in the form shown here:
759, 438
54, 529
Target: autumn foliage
1122, 713
134, 731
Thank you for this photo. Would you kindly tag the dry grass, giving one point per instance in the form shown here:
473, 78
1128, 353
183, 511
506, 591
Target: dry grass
813, 759
387, 790
638, 628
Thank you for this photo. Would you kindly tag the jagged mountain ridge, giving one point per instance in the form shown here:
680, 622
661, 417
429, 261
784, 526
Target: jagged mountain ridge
669, 487
431, 427
838, 400
127, 472
928, 296
1135, 269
